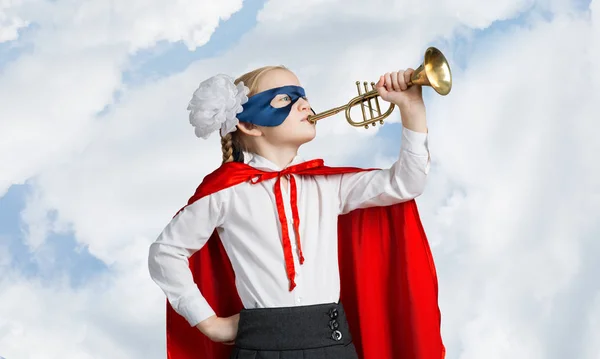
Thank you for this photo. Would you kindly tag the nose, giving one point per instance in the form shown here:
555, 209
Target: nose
302, 104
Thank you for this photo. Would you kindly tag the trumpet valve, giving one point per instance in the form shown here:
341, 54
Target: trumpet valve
371, 112
376, 101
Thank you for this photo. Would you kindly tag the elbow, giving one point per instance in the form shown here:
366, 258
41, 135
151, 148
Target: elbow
152, 262
409, 192
418, 184
418, 189
409, 178
158, 257
409, 187
161, 255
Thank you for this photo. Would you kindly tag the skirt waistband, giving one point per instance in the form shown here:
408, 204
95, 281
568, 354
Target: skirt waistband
293, 328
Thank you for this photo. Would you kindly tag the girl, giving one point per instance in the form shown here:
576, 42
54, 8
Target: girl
274, 220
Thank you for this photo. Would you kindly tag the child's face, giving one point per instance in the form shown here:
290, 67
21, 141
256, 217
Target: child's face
295, 130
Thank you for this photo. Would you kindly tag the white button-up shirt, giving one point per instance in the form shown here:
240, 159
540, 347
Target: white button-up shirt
246, 219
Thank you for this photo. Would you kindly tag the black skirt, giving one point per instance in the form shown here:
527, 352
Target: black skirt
305, 332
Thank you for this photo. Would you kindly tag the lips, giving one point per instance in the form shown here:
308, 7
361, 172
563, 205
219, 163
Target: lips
305, 118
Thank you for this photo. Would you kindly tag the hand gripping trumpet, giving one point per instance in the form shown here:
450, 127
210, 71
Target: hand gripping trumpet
434, 72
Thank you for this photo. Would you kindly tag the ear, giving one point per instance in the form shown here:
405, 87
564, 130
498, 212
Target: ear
249, 129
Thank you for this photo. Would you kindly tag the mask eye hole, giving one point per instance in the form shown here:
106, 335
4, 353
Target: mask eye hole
281, 100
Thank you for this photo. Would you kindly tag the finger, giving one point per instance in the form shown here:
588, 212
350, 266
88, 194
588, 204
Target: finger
380, 86
401, 81
380, 82
388, 82
408, 74
395, 83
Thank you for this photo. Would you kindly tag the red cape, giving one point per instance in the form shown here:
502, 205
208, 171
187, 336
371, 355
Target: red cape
388, 280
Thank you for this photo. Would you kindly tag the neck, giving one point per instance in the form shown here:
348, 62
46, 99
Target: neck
281, 156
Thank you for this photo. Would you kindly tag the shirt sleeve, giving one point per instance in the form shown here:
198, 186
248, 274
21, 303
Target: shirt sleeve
168, 259
403, 181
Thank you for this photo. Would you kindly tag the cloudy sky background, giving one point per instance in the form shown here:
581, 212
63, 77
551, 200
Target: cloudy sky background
96, 155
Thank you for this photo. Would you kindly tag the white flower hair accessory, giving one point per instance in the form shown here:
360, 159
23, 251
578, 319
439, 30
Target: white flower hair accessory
215, 104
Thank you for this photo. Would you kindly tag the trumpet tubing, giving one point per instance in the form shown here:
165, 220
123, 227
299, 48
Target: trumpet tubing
434, 72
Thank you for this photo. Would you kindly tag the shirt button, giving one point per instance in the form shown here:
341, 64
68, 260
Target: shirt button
299, 300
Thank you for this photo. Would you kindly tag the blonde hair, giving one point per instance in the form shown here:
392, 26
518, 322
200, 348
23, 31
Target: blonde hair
232, 145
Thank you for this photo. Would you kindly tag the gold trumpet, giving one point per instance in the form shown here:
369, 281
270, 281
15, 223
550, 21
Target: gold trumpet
434, 72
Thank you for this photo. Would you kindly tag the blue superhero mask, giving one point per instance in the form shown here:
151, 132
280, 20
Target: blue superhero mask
258, 109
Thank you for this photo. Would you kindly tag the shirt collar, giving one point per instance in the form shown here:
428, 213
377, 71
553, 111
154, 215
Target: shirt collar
264, 164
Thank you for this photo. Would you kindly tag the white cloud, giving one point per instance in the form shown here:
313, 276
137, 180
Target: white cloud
132, 25
99, 321
592, 350
510, 205
441, 16
514, 201
9, 22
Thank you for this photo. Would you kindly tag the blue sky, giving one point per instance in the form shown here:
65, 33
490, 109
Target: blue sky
72, 259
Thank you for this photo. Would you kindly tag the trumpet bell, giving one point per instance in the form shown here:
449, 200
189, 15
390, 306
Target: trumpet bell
434, 72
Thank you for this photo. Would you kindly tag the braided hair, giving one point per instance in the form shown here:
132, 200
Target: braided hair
232, 148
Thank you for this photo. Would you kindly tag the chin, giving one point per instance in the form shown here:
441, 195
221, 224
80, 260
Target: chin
302, 139
308, 136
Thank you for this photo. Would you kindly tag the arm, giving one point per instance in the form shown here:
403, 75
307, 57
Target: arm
168, 261
403, 181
